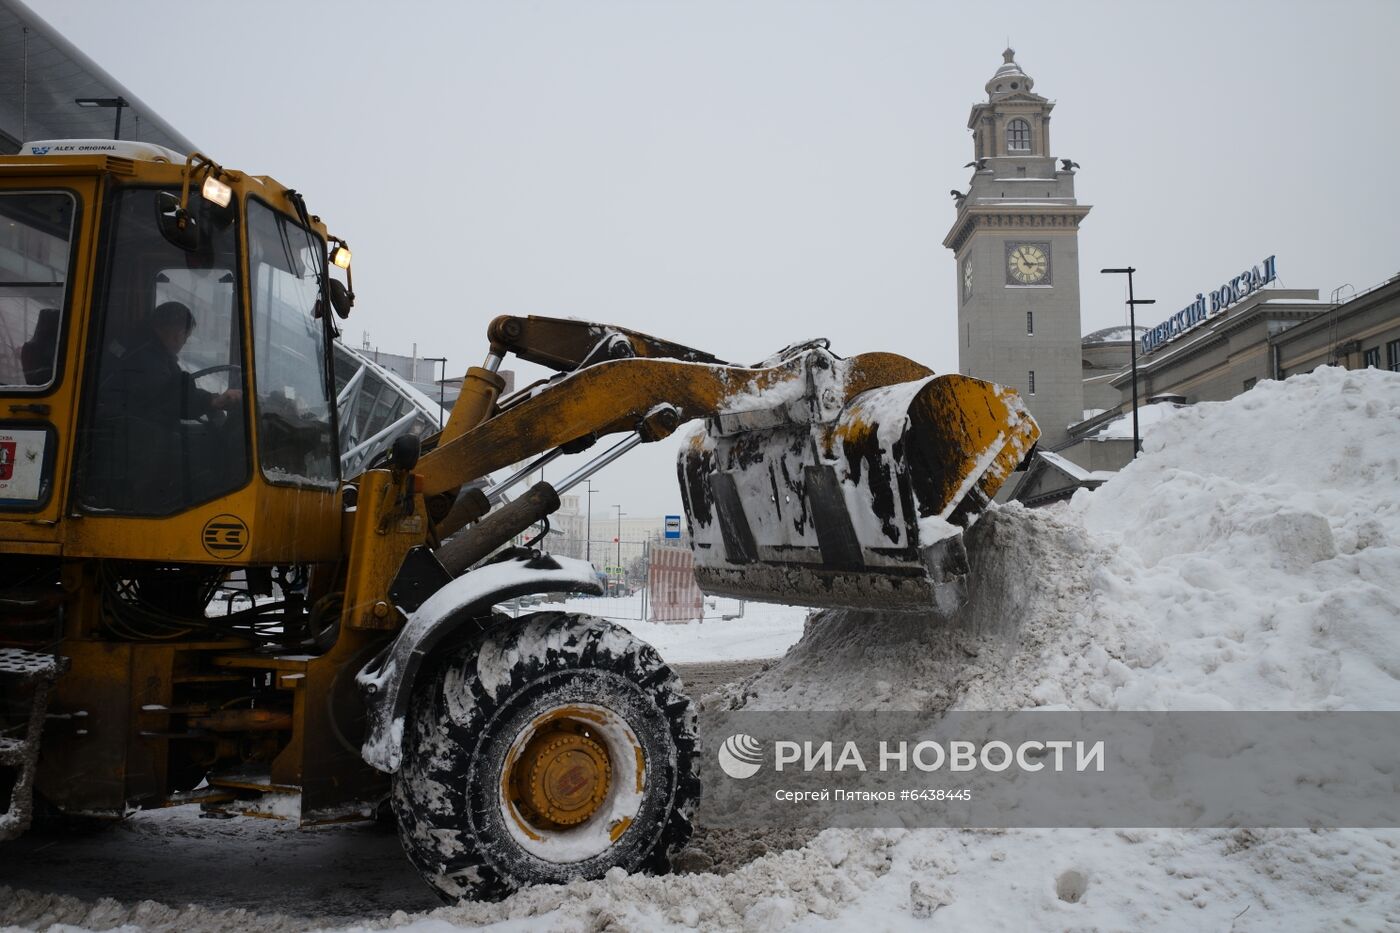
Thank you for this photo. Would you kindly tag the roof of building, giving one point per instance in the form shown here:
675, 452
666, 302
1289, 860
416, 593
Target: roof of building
1073, 470
1119, 334
42, 75
1149, 416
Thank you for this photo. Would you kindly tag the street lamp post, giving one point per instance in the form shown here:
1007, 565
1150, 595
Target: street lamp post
442, 384
619, 541
588, 531
1132, 344
120, 103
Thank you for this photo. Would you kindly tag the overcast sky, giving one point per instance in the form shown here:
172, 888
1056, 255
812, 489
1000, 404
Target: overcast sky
738, 175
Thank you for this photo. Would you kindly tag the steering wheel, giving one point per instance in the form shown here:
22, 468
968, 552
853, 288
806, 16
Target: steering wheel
221, 368
218, 418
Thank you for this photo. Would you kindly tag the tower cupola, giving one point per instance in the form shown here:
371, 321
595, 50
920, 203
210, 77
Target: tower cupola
1009, 79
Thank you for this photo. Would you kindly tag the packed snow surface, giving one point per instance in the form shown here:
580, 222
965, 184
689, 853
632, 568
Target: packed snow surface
1249, 560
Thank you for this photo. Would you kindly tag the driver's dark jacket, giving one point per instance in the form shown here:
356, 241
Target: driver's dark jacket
140, 459
147, 382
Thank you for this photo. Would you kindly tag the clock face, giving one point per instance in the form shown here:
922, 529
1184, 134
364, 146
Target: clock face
967, 277
1027, 263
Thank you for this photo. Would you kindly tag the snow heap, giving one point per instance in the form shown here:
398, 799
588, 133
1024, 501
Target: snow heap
1257, 552
1250, 559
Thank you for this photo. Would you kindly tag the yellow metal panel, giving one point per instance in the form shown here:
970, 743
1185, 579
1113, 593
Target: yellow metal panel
278, 525
9, 544
384, 532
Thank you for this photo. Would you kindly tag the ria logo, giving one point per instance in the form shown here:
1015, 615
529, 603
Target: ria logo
741, 756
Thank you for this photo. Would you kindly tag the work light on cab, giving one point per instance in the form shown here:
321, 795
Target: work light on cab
216, 192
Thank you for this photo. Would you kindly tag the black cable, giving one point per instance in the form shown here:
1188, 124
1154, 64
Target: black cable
544, 530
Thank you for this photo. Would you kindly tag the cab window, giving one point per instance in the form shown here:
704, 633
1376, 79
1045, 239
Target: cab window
296, 444
36, 231
164, 428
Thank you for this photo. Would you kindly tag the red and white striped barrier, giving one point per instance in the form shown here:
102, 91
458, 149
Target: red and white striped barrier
675, 596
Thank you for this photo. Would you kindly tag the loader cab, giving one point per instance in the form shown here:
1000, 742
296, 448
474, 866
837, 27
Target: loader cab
173, 354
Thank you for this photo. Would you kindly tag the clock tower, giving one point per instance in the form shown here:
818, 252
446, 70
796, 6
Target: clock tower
1016, 244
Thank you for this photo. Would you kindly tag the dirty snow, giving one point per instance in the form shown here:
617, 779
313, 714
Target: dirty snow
1249, 560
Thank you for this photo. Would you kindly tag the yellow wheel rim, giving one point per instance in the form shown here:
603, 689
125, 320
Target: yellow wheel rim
562, 775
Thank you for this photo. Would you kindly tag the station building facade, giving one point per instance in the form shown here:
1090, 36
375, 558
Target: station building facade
1271, 333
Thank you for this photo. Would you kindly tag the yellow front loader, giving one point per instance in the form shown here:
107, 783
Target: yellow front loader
197, 607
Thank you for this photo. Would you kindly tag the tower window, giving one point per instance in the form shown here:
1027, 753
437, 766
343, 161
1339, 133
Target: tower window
1030, 381
1030, 322
1018, 136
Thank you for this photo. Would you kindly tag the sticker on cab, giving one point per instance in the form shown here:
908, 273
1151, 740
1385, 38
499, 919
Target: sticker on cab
22, 464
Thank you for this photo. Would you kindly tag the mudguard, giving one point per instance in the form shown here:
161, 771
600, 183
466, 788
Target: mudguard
386, 683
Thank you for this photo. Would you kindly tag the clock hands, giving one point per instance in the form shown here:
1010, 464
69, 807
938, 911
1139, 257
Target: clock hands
1028, 263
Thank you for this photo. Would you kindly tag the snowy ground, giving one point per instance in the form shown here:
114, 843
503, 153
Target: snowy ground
762, 631
1250, 560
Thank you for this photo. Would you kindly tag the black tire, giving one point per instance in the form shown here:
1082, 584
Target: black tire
479, 704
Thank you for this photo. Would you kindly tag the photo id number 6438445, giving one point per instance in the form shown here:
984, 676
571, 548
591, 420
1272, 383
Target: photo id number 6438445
936, 794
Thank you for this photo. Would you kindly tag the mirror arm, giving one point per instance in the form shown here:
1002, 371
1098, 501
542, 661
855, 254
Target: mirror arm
193, 162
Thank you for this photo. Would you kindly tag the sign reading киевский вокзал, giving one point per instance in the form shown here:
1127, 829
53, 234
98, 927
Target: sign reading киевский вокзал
1246, 283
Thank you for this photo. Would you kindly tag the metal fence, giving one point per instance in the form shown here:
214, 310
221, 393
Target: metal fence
628, 596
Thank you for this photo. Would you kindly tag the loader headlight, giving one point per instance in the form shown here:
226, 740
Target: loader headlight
216, 192
341, 256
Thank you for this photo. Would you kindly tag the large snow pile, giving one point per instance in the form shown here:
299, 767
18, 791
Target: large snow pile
1249, 560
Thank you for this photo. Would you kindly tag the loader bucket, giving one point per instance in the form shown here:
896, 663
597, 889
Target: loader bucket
864, 509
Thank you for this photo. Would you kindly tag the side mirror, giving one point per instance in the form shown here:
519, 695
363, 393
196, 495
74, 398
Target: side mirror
341, 300
176, 226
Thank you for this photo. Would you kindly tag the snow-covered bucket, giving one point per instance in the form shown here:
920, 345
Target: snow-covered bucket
857, 504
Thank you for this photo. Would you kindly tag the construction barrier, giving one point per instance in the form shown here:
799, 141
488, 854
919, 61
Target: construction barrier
675, 596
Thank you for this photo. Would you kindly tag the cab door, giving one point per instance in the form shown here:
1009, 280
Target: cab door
46, 236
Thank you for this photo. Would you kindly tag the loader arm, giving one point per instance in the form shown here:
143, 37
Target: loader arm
564, 344
615, 396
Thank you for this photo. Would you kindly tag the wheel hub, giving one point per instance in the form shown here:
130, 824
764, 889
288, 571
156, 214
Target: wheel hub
562, 776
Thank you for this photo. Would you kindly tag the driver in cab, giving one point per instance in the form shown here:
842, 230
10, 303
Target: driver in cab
141, 459
153, 381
